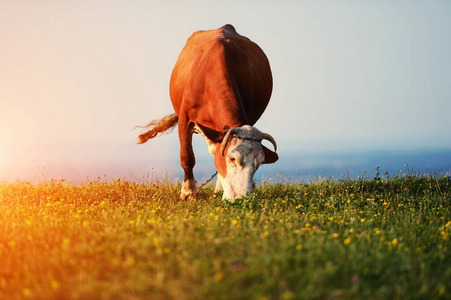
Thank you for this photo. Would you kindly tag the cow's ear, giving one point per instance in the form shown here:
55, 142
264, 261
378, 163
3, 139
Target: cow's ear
270, 156
211, 134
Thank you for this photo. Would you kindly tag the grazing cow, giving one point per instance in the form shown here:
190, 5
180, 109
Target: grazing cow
220, 86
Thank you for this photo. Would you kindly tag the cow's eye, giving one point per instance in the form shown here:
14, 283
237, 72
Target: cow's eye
232, 160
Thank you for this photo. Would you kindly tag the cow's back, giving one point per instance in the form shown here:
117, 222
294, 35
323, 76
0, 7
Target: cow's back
221, 79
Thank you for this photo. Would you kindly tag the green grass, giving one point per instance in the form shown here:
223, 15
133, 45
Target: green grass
344, 239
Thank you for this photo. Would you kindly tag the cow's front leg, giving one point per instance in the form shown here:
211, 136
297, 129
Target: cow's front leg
187, 160
218, 187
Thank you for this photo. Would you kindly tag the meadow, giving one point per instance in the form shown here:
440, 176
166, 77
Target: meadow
381, 237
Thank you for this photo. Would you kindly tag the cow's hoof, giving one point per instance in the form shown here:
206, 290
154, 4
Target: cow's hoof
187, 197
189, 190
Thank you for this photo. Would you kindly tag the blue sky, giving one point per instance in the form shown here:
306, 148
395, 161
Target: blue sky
349, 76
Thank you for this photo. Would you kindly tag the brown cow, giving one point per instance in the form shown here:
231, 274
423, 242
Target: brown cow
220, 86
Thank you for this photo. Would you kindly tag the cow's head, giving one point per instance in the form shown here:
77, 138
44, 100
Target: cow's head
238, 154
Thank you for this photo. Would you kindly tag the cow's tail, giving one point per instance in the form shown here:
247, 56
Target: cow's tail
158, 126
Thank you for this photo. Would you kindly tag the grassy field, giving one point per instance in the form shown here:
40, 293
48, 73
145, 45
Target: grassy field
387, 238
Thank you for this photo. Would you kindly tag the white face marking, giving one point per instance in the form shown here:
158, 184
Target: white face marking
243, 159
244, 156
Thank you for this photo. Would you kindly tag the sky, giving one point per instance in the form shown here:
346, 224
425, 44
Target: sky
349, 76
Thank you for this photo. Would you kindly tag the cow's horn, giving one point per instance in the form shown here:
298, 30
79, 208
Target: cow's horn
226, 140
268, 137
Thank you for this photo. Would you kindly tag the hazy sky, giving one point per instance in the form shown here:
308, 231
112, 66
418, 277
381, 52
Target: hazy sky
77, 76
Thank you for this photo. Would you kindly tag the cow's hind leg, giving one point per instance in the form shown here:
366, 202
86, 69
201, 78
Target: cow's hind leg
187, 159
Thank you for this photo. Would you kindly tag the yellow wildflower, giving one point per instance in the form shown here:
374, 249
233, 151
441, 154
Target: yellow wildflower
26, 292
287, 296
54, 284
218, 276
130, 261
